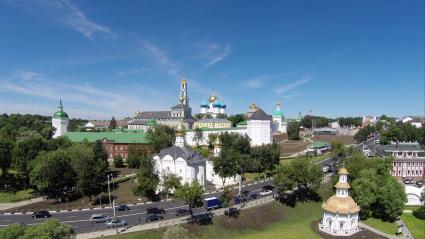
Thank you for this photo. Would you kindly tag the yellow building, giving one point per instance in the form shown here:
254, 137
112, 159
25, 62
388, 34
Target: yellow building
216, 123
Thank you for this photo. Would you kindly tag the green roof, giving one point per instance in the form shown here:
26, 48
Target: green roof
242, 123
319, 144
118, 137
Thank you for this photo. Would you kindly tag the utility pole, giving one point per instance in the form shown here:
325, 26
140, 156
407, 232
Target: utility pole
113, 205
109, 192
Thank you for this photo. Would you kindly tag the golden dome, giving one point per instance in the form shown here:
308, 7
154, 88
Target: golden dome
253, 106
213, 98
217, 142
180, 130
344, 205
184, 81
343, 171
341, 185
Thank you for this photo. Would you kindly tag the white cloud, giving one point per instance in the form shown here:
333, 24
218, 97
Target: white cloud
285, 88
259, 81
66, 13
118, 102
215, 53
166, 64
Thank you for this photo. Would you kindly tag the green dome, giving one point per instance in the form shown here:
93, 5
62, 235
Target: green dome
277, 113
60, 114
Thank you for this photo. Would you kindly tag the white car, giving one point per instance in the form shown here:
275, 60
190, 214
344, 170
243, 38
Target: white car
266, 192
116, 223
96, 218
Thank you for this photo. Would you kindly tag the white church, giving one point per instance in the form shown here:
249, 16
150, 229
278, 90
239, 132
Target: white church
181, 161
340, 212
60, 122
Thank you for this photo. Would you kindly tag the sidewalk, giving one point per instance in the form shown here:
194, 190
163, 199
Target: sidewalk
166, 223
377, 231
405, 231
5, 206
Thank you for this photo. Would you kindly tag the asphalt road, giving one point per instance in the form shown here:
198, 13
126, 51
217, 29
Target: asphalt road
80, 220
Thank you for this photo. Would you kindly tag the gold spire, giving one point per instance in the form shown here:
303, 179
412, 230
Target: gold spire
180, 130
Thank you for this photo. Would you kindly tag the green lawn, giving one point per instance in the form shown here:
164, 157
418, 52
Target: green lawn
7, 197
267, 222
415, 225
387, 227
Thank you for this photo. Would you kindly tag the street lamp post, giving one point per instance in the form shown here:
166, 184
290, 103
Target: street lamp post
109, 192
113, 205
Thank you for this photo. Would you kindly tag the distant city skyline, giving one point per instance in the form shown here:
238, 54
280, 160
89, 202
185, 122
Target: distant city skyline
337, 58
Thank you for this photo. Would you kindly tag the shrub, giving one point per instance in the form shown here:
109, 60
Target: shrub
420, 213
118, 161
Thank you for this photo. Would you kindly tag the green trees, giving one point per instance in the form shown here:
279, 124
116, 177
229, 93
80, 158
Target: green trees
350, 121
50, 229
338, 151
301, 173
308, 121
118, 161
293, 130
170, 183
236, 119
112, 123
147, 178
51, 172
226, 197
227, 164
136, 153
240, 143
191, 194
90, 170
24, 152
161, 137
267, 155
373, 188
6, 147
364, 133
198, 136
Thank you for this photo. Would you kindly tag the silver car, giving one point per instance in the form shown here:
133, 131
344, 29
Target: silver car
96, 218
116, 223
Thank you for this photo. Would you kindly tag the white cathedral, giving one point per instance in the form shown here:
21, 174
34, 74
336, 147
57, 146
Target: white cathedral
340, 212
181, 161
60, 122
214, 107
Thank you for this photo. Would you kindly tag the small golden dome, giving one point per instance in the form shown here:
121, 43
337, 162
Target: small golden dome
184, 82
180, 130
213, 98
343, 171
341, 185
344, 205
217, 142
253, 106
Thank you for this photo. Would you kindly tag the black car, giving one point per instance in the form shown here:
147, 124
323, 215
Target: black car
155, 210
231, 211
182, 212
252, 196
268, 187
41, 214
122, 207
245, 193
153, 217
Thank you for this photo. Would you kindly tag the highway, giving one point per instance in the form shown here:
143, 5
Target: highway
79, 220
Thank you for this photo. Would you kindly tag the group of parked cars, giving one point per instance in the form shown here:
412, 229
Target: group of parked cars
419, 182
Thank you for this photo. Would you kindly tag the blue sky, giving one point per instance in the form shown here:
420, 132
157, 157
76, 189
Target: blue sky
107, 58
